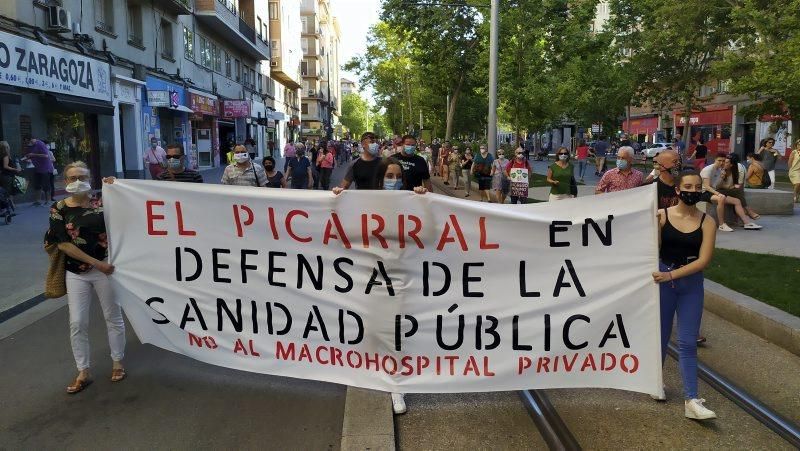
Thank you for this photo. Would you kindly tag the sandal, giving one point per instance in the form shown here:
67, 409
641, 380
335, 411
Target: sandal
117, 374
754, 216
78, 385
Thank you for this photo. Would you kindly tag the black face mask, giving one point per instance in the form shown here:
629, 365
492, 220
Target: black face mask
690, 197
269, 167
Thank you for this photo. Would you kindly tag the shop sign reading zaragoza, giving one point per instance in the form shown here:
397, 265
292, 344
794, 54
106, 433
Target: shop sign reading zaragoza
29, 64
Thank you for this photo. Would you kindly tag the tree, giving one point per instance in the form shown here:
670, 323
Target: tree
764, 61
355, 114
672, 46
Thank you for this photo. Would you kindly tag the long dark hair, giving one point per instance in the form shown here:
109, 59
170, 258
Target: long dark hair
381, 172
734, 159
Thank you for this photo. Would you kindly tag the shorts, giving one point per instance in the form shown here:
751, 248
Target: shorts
484, 182
41, 181
706, 196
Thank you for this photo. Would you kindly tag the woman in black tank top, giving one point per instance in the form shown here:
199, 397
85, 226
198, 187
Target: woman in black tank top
686, 245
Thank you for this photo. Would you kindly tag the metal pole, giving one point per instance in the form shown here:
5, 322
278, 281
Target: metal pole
493, 45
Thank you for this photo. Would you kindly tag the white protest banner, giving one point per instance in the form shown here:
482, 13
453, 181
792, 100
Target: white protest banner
390, 290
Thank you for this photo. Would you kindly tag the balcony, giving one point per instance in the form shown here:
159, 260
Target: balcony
222, 15
177, 7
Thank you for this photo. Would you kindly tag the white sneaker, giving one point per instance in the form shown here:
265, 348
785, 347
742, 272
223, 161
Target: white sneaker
726, 228
694, 409
661, 396
398, 403
752, 226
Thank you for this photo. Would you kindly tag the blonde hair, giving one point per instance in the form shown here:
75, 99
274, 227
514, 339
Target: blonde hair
5, 149
76, 165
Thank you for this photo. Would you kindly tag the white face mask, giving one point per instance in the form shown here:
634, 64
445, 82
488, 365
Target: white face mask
78, 187
241, 157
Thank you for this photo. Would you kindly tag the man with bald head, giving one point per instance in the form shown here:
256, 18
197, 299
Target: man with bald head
666, 167
623, 176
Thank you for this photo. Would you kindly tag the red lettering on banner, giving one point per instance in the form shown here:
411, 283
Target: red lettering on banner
253, 352
588, 362
289, 230
181, 230
271, 214
413, 233
305, 353
284, 353
544, 362
484, 244
408, 369
422, 363
238, 347
486, 371
206, 341
154, 217
336, 356
376, 232
339, 235
237, 216
523, 364
471, 366
319, 357
446, 238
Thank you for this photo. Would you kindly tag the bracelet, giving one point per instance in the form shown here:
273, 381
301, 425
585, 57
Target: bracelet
670, 276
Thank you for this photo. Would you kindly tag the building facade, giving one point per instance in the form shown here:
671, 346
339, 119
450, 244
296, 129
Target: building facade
321, 89
109, 75
348, 86
286, 81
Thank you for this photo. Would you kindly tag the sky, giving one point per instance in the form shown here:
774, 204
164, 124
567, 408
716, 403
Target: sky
355, 19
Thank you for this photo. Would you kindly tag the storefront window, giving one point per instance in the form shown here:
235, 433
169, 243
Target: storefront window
67, 133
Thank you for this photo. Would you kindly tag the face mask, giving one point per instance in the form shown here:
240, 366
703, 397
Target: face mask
373, 149
269, 167
392, 184
622, 164
78, 187
174, 163
675, 171
409, 150
153, 145
501, 156
563, 157
690, 197
241, 157
301, 154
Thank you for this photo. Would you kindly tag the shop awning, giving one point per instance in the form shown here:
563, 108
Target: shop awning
183, 109
81, 104
9, 95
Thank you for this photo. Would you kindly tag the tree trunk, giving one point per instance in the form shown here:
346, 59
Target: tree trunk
687, 127
451, 109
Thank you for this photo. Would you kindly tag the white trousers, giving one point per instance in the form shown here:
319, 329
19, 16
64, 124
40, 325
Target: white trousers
79, 299
772, 179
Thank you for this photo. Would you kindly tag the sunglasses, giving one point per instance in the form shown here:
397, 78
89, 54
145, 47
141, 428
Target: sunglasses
562, 153
174, 157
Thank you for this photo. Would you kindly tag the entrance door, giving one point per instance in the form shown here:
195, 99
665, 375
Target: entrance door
749, 138
203, 140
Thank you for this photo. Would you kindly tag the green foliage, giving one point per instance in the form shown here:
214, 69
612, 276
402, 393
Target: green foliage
355, 114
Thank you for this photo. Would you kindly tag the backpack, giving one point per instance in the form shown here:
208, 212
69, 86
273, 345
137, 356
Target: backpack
19, 185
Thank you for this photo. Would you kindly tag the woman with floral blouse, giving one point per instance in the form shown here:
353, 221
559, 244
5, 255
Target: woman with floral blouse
78, 227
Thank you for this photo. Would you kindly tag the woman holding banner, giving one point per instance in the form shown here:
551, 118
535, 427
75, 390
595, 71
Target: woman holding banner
78, 230
686, 242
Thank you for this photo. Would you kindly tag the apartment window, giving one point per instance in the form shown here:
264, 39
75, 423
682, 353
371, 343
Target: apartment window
135, 25
264, 32
238, 70
304, 45
252, 79
166, 39
245, 75
304, 24
273, 10
188, 43
216, 55
723, 85
104, 15
304, 108
227, 64
258, 31
205, 52
304, 68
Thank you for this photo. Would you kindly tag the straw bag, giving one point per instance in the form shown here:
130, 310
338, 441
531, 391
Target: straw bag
55, 284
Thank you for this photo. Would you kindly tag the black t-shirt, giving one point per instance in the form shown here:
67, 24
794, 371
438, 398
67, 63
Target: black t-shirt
667, 197
363, 173
415, 170
187, 175
466, 163
700, 151
83, 227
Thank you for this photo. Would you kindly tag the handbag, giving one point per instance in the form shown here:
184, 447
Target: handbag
573, 187
766, 180
20, 185
55, 283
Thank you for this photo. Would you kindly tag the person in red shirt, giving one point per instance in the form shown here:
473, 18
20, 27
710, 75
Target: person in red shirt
582, 155
623, 176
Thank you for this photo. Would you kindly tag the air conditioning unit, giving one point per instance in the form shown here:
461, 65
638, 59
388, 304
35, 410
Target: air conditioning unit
273, 63
58, 18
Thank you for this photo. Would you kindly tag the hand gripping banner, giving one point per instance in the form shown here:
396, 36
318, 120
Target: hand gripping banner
393, 291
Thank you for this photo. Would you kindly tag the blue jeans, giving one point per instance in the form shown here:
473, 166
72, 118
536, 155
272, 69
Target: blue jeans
683, 296
581, 168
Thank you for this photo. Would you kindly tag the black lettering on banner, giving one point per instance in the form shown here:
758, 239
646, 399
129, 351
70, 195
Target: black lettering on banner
186, 318
150, 303
440, 330
605, 238
359, 327
43, 64
466, 279
374, 279
491, 330
73, 72
523, 290
515, 336
270, 327
304, 265
236, 321
310, 324
244, 265
89, 80
426, 279
5, 55
555, 227
273, 269
82, 67
337, 266
216, 265
53, 68
253, 316
622, 334
20, 59
63, 70
561, 284
32, 63
567, 325
547, 332
179, 264
398, 328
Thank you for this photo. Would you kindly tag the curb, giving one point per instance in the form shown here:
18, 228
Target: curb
766, 321
368, 421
